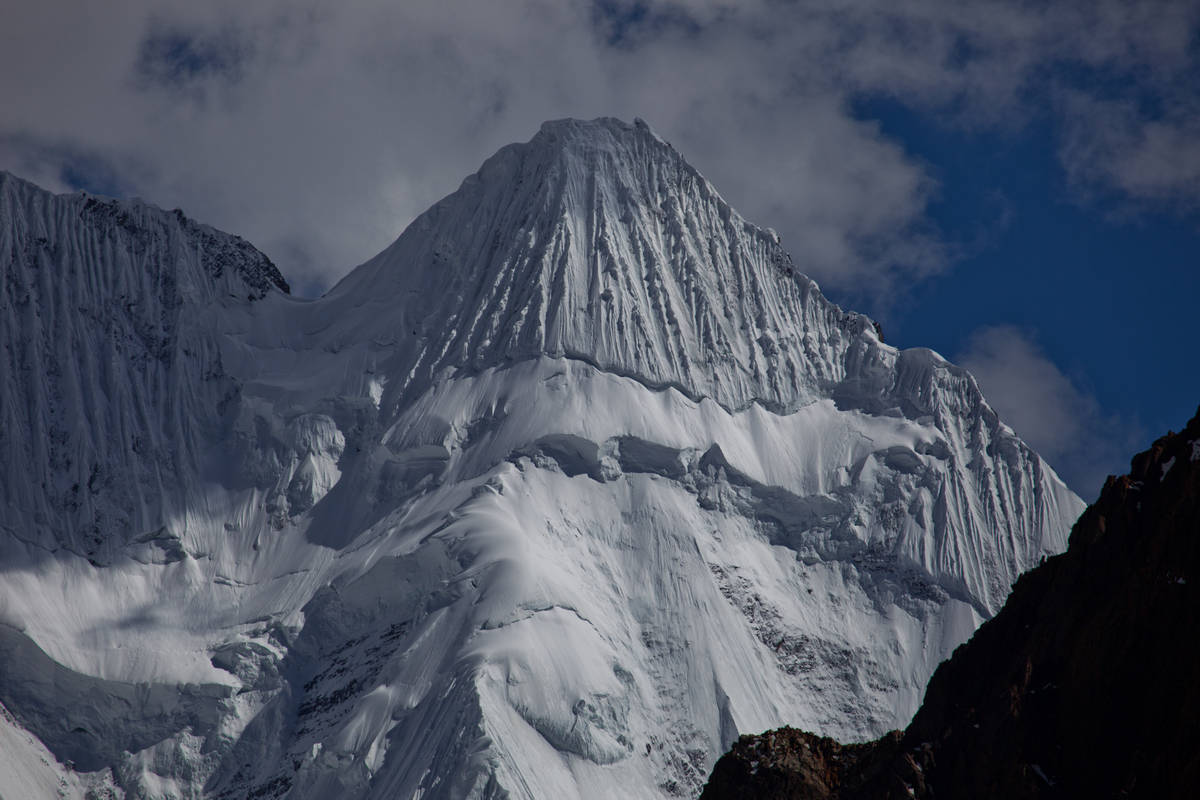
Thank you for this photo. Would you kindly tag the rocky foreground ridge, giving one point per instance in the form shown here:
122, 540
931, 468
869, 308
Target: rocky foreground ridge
1084, 685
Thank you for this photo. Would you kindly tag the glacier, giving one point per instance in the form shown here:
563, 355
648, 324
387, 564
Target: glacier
556, 496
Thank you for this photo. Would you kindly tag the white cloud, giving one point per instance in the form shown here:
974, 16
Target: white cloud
1112, 145
1060, 420
318, 129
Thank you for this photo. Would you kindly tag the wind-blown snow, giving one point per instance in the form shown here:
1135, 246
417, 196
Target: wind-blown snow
556, 496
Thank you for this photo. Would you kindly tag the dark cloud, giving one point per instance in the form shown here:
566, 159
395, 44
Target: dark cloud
1057, 417
179, 58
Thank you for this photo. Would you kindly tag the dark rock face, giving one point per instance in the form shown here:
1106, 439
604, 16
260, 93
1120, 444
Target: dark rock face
1084, 685
797, 765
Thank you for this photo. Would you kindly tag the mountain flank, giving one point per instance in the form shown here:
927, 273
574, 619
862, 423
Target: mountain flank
1084, 685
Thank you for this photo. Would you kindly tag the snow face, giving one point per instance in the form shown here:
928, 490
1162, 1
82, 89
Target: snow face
564, 490
111, 372
598, 241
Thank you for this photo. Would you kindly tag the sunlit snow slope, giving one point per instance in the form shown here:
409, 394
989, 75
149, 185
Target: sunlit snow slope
553, 498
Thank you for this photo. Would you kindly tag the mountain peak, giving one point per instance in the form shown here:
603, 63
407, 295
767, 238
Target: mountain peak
571, 128
204, 261
567, 156
597, 240
603, 134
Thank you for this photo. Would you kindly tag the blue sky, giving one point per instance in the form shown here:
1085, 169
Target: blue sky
1106, 292
1016, 185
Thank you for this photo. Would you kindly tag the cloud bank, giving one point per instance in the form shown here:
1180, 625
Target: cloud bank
319, 129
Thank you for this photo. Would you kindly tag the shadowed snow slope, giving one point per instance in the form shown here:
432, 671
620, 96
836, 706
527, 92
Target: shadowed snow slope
557, 495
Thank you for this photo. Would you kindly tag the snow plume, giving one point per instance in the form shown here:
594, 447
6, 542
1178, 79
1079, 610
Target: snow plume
1061, 420
237, 111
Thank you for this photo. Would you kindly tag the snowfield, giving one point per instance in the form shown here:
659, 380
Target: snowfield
556, 496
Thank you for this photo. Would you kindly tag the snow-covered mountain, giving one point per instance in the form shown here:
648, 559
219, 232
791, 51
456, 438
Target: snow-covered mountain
568, 487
